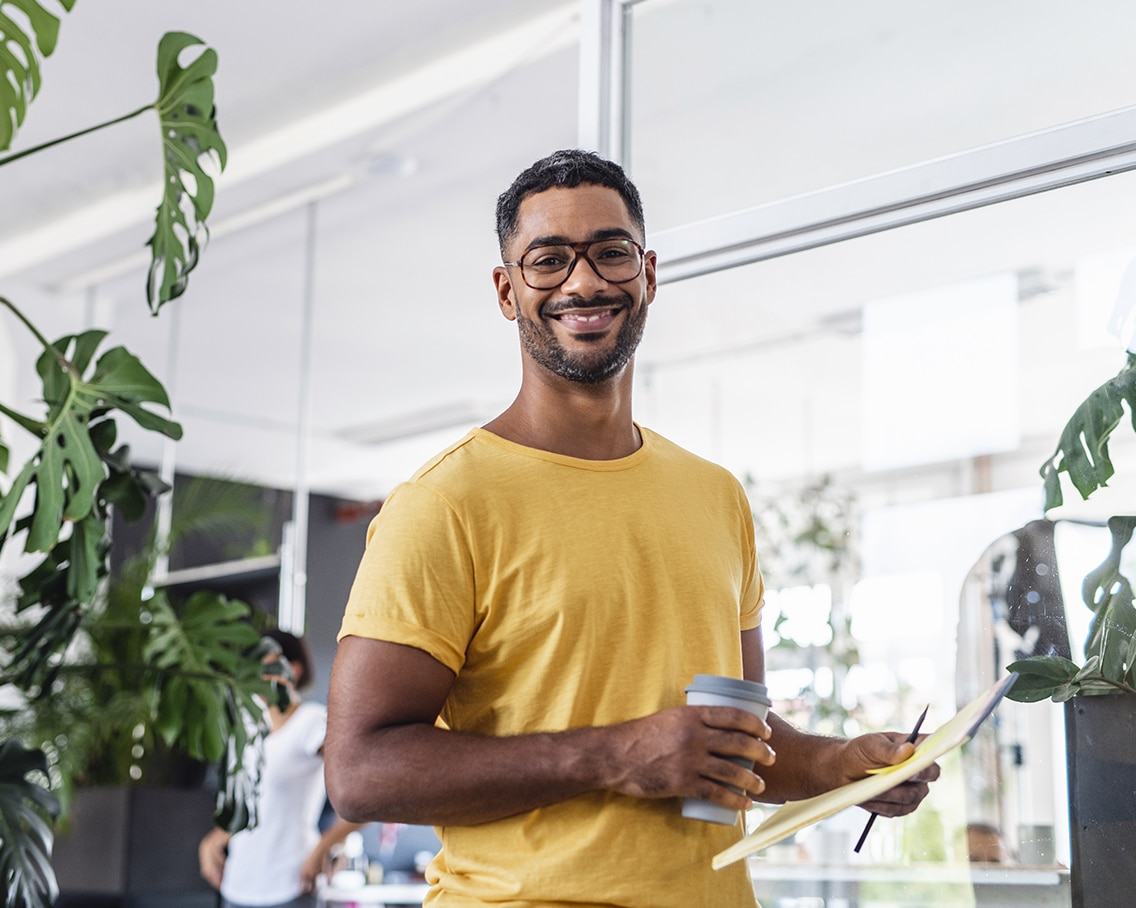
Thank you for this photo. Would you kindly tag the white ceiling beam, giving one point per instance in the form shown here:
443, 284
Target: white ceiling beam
1050, 159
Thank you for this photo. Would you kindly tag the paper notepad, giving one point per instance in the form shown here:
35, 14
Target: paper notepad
796, 815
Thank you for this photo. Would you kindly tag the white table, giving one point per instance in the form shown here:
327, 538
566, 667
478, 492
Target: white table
373, 894
996, 886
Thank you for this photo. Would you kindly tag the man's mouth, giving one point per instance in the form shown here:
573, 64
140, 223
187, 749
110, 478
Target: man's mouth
586, 320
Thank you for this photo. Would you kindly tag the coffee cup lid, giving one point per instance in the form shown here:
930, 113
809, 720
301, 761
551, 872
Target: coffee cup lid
730, 687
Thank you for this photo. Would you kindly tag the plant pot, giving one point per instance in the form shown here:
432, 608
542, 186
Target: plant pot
1101, 759
130, 846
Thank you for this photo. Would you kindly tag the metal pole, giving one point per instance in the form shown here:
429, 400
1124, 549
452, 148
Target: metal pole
604, 38
293, 605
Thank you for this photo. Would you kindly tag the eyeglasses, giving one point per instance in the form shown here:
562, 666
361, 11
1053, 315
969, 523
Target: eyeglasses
547, 267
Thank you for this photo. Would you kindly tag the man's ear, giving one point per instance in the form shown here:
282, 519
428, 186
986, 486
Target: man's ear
650, 261
505, 300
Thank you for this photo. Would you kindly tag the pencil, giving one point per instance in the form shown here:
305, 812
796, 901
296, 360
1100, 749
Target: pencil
910, 740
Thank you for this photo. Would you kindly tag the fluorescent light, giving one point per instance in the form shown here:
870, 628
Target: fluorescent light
140, 258
417, 422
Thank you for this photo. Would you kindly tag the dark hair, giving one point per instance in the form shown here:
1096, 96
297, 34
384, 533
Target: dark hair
567, 168
294, 649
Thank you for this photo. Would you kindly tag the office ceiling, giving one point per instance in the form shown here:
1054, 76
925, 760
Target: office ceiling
375, 137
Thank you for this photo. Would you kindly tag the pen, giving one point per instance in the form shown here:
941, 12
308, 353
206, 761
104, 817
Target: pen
910, 740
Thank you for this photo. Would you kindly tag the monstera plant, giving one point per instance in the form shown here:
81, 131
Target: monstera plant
1110, 650
195, 670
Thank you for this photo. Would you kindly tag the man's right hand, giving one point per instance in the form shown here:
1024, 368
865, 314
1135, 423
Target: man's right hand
685, 752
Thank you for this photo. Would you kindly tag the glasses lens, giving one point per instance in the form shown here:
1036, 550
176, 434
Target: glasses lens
616, 259
547, 267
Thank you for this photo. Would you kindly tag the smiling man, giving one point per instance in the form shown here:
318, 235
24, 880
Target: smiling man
533, 601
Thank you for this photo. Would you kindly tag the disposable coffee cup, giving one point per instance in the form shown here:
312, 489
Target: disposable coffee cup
719, 690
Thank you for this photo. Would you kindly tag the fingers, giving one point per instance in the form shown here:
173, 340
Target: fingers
733, 779
887, 749
694, 751
899, 801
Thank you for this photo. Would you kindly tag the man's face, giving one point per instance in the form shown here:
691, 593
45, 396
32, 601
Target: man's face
587, 329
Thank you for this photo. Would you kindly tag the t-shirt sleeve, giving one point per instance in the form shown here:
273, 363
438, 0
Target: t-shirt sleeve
753, 587
415, 583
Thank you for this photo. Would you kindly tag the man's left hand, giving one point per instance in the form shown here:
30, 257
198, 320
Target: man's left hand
886, 749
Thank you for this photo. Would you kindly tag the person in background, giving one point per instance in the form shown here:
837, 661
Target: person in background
532, 602
276, 862
985, 845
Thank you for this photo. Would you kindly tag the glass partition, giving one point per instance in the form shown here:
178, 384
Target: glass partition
752, 101
900, 391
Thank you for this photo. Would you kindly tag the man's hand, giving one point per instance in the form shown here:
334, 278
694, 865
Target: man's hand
686, 751
886, 749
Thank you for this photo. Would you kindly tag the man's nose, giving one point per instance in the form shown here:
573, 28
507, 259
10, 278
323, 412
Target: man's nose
583, 279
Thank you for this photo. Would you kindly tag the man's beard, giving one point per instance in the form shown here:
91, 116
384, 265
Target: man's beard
588, 369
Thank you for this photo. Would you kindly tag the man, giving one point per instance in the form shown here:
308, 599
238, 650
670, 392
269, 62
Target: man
532, 603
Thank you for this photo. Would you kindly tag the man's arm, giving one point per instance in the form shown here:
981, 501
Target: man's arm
809, 765
387, 761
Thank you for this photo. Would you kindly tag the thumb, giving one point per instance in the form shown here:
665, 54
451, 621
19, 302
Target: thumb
886, 748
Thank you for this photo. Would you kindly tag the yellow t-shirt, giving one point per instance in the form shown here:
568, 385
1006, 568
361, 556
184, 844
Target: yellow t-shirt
566, 593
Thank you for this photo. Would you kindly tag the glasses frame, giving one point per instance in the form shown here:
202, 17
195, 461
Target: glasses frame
581, 251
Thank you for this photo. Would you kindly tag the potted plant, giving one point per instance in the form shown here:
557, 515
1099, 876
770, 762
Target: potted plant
1100, 694
190, 673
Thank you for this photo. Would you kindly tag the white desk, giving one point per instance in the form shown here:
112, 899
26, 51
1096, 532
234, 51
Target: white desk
373, 895
1032, 887
996, 886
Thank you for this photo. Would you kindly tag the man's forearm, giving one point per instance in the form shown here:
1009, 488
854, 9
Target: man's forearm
418, 773
425, 775
387, 761
807, 764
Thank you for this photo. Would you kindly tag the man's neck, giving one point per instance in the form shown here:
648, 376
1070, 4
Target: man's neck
592, 422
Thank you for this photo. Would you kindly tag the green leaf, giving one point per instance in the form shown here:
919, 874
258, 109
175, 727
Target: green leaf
26, 809
75, 477
1108, 593
203, 653
1082, 451
189, 138
1055, 668
67, 469
1041, 677
212, 694
20, 77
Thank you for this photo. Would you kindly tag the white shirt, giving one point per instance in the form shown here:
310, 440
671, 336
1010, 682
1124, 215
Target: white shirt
264, 863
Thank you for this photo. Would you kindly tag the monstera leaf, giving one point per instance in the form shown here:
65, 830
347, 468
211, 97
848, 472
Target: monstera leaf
212, 665
68, 468
191, 142
76, 476
203, 657
26, 808
239, 771
1082, 450
189, 139
20, 77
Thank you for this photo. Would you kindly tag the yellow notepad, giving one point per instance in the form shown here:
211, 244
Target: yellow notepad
796, 815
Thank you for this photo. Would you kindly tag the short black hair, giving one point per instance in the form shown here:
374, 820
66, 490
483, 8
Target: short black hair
566, 168
294, 649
